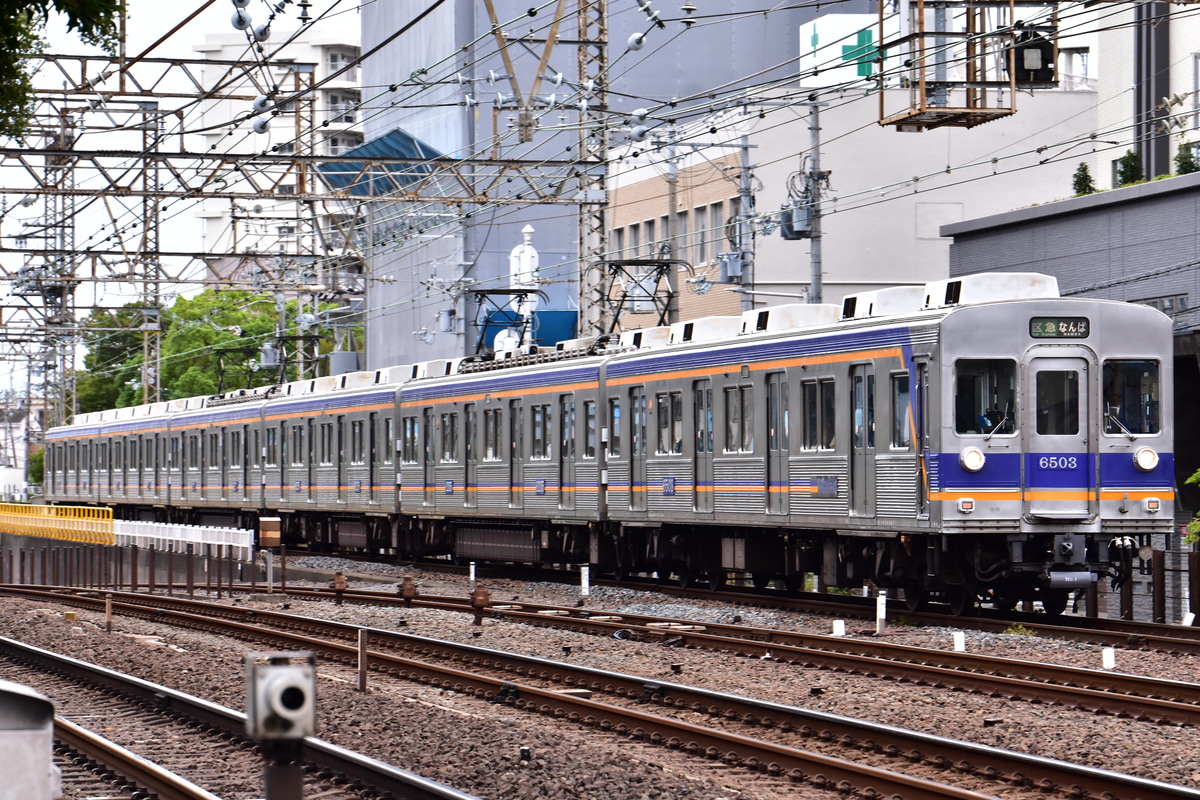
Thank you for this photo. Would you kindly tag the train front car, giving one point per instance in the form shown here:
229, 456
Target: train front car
1053, 459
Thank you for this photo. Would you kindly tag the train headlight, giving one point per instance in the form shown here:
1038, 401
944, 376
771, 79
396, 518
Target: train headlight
972, 459
1145, 459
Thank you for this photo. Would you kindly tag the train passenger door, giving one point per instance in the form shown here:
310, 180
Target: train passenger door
470, 496
372, 454
862, 440
639, 410
566, 453
703, 421
778, 444
1059, 475
516, 453
430, 477
339, 456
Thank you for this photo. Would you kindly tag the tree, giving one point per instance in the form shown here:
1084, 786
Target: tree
1185, 159
21, 25
113, 364
35, 468
1129, 168
1082, 181
211, 340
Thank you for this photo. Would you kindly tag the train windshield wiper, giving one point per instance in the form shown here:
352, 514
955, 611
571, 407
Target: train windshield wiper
1110, 416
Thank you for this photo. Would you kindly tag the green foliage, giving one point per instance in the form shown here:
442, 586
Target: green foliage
21, 25
1082, 182
35, 468
1185, 160
207, 344
1193, 534
1129, 169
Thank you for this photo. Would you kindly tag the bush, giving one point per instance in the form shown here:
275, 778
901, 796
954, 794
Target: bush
1129, 169
1082, 182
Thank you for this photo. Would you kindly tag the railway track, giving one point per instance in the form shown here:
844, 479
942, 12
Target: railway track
777, 739
178, 747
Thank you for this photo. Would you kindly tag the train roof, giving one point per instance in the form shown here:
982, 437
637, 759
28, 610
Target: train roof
928, 301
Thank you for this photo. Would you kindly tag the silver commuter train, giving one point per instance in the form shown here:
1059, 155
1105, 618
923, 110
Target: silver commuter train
975, 438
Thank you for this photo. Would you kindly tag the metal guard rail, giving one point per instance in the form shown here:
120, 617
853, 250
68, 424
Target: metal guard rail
82, 524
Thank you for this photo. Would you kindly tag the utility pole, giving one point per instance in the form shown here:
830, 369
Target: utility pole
745, 227
813, 183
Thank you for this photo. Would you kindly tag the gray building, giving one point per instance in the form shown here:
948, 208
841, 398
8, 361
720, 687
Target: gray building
427, 263
1136, 244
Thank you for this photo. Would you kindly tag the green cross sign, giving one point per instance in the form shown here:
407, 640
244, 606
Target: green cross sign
861, 53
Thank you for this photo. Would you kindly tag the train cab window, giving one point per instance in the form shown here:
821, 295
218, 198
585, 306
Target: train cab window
411, 441
1131, 402
589, 428
901, 413
985, 395
614, 428
1057, 403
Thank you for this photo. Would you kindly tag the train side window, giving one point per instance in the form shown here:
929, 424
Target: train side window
256, 453
670, 423
542, 430
214, 451
702, 405
412, 441
357, 442
272, 447
325, 450
449, 425
1058, 403
985, 395
1131, 397
297, 445
493, 434
739, 419
589, 428
566, 422
828, 413
901, 412
388, 442
469, 432
614, 428
194, 451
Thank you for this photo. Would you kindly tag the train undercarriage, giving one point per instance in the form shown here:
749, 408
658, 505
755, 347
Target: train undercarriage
957, 571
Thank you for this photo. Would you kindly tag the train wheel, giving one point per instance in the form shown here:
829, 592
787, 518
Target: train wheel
961, 600
761, 580
915, 596
714, 580
1055, 602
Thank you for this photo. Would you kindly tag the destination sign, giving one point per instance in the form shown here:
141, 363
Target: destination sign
1059, 327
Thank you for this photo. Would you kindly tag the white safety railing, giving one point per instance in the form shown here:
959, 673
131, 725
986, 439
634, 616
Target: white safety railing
176, 538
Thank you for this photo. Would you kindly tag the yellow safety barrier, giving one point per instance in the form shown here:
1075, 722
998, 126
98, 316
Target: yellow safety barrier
73, 523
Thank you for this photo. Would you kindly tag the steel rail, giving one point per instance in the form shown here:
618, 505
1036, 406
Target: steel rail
130, 766
896, 742
354, 766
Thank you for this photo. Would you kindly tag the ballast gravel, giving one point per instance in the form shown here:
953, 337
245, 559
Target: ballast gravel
493, 751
